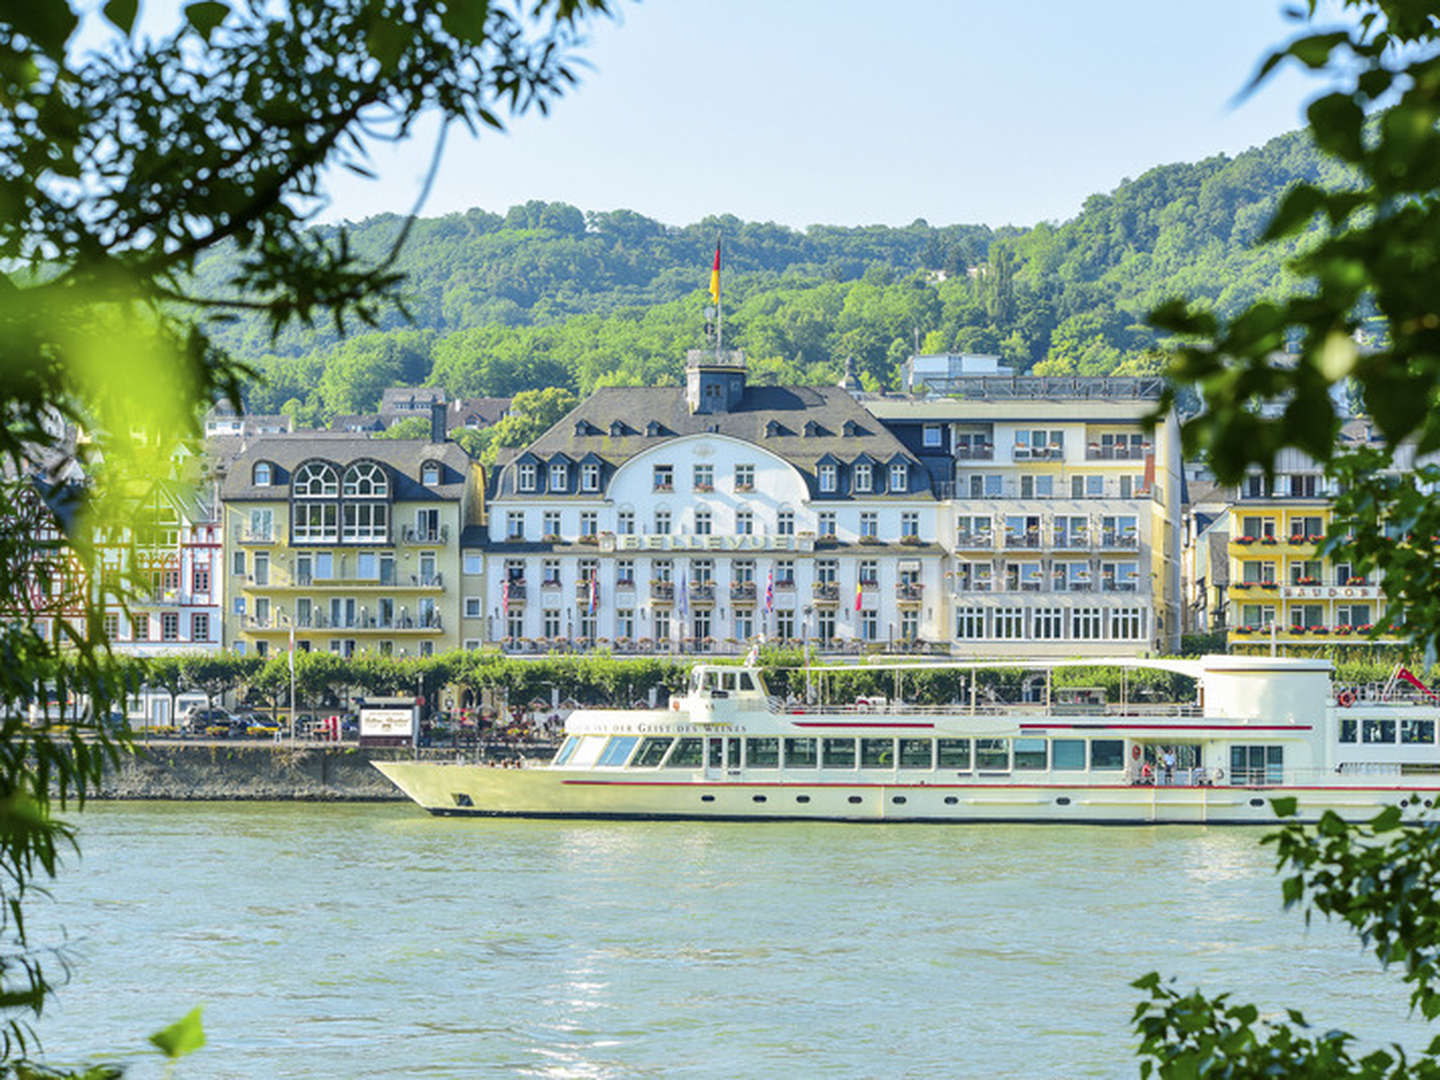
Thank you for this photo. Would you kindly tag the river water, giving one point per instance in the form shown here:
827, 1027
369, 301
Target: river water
372, 940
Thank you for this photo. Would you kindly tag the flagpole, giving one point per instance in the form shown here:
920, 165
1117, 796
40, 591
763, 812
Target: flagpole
719, 303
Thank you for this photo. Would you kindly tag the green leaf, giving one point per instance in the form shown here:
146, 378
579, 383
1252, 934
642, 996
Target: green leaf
206, 15
49, 25
184, 1036
121, 13
1299, 206
1387, 820
1337, 121
1285, 806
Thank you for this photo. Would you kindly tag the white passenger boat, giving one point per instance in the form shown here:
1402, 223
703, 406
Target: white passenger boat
1258, 728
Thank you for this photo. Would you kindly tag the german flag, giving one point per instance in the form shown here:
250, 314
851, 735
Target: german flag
715, 276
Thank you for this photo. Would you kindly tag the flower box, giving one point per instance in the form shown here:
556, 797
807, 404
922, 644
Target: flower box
550, 538
589, 538
1297, 629
1356, 581
1307, 581
1269, 541
1246, 540
1269, 584
874, 540
911, 541
705, 487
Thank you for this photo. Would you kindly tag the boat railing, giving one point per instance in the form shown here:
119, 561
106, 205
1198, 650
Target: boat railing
901, 708
1378, 694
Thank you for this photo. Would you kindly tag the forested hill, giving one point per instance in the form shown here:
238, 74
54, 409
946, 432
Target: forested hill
546, 295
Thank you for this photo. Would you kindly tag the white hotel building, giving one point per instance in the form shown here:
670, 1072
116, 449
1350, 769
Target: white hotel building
698, 518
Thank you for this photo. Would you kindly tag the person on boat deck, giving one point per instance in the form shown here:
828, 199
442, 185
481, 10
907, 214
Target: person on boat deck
1146, 774
1169, 760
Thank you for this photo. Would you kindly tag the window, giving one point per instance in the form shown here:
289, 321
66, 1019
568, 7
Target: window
1257, 527
910, 525
315, 478
625, 522
472, 607
1352, 615
652, 752
762, 753
111, 624
1009, 623
315, 522
550, 622
864, 481
559, 476
785, 624
366, 480
744, 477
1085, 624
549, 573
261, 474
590, 477
169, 626
702, 571
827, 475
825, 625
1260, 616
515, 623
528, 476
869, 625
1067, 754
827, 523
366, 522
625, 623
1258, 764
1030, 755
664, 570
550, 523
1037, 487
899, 477
1048, 623
1087, 487
1107, 753
838, 753
1127, 624
970, 623
785, 523
515, 525
800, 754
917, 753
702, 522
931, 436
744, 522
662, 522
785, 572
869, 573
589, 523
704, 477
992, 754
474, 562
429, 476
688, 754
870, 524
1304, 486
827, 571
140, 628
664, 478
953, 753
1305, 572
877, 753
262, 568
625, 572
200, 580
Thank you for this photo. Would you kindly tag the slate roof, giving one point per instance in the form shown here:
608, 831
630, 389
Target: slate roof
402, 459
772, 417
486, 410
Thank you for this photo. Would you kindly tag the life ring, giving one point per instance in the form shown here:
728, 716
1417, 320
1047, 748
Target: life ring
1135, 752
1346, 698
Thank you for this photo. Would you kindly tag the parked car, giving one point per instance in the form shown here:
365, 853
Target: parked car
199, 719
258, 728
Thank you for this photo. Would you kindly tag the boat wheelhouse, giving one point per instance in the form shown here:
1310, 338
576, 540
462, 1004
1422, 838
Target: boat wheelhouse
1257, 728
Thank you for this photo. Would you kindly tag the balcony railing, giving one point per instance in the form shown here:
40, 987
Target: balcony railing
1116, 452
424, 534
1072, 542
516, 590
825, 591
662, 590
1052, 452
702, 591
909, 590
975, 541
1022, 540
1119, 540
742, 590
256, 536
984, 452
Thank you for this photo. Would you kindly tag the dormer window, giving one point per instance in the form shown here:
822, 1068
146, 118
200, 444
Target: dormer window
528, 475
772, 428
430, 473
559, 476
590, 477
261, 474
828, 479
366, 480
653, 429
315, 478
899, 477
851, 429
864, 478
812, 429
617, 428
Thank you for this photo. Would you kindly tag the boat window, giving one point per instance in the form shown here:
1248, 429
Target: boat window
747, 681
1067, 754
763, 753
688, 754
566, 750
916, 753
839, 753
697, 680
652, 752
1107, 753
728, 680
618, 752
877, 753
992, 754
588, 749
1349, 731
715, 758
1029, 754
800, 754
733, 753
1258, 764
953, 753
1417, 731
1377, 731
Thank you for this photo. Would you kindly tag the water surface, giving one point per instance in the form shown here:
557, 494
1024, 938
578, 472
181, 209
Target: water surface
372, 940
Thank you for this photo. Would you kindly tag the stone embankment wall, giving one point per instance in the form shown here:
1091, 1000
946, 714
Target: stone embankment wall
271, 771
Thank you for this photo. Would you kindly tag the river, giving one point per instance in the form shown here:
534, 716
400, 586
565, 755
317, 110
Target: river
371, 940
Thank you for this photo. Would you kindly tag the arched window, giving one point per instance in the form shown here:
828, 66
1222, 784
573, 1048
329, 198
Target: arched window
262, 474
316, 478
366, 480
430, 473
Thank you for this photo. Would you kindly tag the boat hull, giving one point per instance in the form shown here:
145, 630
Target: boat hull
486, 791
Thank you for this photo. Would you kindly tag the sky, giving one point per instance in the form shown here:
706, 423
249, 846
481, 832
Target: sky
842, 112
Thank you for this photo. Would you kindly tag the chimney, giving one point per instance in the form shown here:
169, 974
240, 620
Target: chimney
437, 422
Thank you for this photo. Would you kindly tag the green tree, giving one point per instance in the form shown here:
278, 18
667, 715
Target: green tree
532, 413
128, 166
412, 427
1374, 267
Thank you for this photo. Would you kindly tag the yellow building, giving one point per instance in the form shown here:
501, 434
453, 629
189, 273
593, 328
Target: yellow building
353, 543
1281, 588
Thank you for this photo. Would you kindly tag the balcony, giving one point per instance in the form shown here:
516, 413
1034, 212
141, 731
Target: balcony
256, 536
1023, 541
825, 592
582, 591
366, 623
909, 592
968, 541
702, 592
1110, 585
516, 590
1024, 452
977, 585
418, 534
742, 591
1117, 451
1126, 541
663, 591
982, 452
1072, 542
